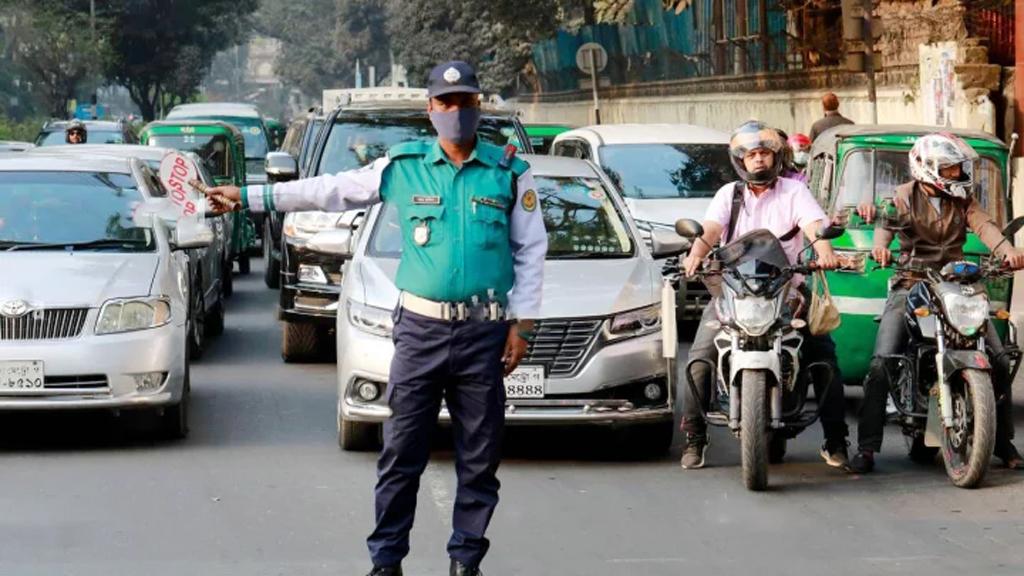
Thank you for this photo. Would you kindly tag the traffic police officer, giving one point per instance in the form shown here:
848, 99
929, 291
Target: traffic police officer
471, 271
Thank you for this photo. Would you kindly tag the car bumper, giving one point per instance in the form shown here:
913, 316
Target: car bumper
306, 301
604, 391
98, 372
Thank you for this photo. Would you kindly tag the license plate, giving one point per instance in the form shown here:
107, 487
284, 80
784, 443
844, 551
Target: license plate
525, 382
24, 375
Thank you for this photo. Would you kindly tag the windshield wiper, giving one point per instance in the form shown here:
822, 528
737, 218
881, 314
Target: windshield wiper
101, 243
586, 255
13, 244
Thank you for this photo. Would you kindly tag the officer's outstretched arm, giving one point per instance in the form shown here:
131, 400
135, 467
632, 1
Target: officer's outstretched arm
339, 192
529, 240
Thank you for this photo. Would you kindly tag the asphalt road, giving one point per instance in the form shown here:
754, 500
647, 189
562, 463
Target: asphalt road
261, 488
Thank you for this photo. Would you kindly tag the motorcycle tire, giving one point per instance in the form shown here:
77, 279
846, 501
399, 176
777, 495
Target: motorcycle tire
967, 447
754, 429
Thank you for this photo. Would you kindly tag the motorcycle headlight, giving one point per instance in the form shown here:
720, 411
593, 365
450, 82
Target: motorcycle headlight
303, 225
966, 313
754, 314
370, 319
634, 323
128, 315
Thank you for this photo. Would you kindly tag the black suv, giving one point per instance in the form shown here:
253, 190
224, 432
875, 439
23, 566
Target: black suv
352, 136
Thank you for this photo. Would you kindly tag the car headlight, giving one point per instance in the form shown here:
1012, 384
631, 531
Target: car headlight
127, 315
966, 313
303, 225
754, 314
370, 319
634, 323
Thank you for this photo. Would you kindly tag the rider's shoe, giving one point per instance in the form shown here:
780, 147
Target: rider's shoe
862, 463
693, 454
834, 453
1010, 457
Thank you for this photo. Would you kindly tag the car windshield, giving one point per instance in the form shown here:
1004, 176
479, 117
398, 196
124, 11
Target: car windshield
213, 149
668, 170
95, 136
71, 208
354, 143
872, 174
581, 219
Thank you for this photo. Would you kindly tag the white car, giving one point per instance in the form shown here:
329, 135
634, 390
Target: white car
597, 357
95, 291
664, 171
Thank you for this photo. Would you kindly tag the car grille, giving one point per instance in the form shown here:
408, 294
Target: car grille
50, 324
561, 345
86, 382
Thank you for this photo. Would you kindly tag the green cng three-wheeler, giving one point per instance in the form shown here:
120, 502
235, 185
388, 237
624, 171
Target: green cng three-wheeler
221, 146
865, 163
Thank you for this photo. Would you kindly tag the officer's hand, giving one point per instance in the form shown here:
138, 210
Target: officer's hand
866, 210
1015, 259
881, 255
515, 349
224, 198
691, 264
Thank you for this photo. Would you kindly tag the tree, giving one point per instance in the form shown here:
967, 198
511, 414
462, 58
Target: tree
160, 50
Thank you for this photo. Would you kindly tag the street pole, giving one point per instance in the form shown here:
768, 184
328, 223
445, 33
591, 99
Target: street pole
92, 19
869, 58
593, 81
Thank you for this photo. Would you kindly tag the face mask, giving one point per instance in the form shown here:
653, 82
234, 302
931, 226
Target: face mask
457, 126
800, 158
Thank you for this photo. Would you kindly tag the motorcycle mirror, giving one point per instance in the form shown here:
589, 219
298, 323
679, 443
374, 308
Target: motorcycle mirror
688, 228
830, 232
1013, 227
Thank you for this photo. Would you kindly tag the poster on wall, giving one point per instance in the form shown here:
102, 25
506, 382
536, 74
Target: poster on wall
938, 86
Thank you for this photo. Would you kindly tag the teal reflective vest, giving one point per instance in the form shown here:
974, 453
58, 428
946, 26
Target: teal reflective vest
454, 220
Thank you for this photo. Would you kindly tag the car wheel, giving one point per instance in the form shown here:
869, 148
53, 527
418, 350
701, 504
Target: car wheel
272, 266
243, 263
298, 341
197, 322
215, 323
174, 420
358, 436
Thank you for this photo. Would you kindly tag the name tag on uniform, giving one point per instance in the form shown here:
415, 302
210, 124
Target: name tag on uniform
490, 202
427, 200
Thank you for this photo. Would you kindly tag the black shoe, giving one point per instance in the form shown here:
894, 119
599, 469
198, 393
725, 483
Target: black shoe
460, 569
862, 463
834, 453
693, 454
1010, 457
386, 571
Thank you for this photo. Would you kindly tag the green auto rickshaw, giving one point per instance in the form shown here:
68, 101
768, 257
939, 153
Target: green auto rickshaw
221, 146
543, 135
276, 132
865, 163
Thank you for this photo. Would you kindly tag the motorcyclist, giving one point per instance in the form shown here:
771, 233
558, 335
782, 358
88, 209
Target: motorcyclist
801, 146
786, 208
790, 168
934, 211
75, 132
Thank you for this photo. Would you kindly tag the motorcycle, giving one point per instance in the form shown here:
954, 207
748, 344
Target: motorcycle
760, 390
941, 385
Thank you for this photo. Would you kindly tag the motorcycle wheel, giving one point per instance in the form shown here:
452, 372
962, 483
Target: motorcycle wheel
967, 446
754, 430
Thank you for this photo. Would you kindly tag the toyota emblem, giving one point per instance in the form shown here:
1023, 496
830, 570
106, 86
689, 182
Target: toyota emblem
14, 308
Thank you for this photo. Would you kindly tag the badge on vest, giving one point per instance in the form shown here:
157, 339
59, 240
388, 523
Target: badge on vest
426, 200
421, 234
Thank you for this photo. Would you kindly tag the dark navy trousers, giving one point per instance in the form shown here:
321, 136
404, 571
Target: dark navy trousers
461, 363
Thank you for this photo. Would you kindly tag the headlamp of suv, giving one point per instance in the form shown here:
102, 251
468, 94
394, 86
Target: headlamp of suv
370, 319
966, 314
304, 225
639, 322
128, 315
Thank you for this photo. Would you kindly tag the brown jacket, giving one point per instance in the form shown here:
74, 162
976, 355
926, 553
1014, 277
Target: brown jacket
930, 239
830, 120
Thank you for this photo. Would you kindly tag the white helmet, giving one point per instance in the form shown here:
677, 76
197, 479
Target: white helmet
933, 152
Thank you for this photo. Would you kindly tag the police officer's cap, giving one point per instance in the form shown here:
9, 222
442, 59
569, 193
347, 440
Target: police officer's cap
452, 77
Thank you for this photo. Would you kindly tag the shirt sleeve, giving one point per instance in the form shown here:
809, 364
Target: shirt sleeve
339, 192
529, 241
805, 207
721, 206
986, 229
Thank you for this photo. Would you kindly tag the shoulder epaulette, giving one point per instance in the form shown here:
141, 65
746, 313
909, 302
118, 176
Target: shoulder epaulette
412, 148
519, 166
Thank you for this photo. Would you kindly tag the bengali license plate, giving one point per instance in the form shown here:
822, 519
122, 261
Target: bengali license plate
21, 375
525, 382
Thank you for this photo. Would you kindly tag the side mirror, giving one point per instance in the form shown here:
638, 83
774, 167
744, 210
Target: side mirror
335, 242
281, 167
830, 232
190, 234
1013, 227
665, 244
688, 228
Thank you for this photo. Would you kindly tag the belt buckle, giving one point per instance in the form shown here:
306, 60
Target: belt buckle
446, 311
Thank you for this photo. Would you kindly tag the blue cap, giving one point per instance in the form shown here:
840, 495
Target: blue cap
452, 77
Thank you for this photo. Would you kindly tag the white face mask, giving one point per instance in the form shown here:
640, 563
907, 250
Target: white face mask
801, 158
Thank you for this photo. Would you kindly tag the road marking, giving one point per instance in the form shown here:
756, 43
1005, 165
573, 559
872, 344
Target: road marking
437, 483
